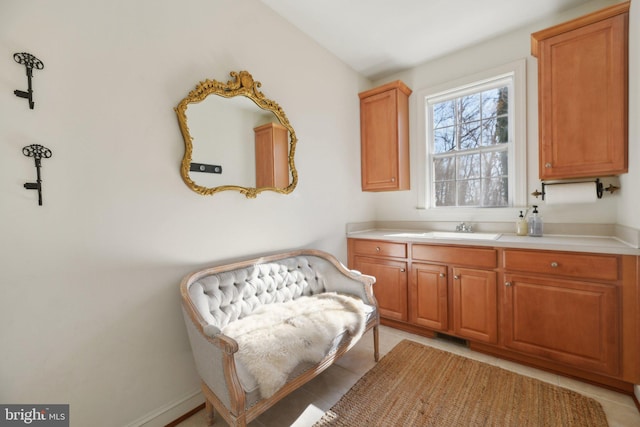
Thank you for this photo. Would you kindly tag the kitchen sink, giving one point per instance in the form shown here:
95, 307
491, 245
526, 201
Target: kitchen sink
448, 235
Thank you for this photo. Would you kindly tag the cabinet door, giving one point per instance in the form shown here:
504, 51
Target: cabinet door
428, 296
583, 100
475, 304
568, 321
390, 288
384, 134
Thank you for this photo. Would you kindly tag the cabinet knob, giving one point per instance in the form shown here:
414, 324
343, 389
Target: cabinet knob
441, 274
393, 179
377, 248
402, 270
547, 165
456, 277
554, 264
507, 283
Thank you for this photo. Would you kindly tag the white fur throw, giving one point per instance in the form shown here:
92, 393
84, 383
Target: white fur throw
276, 337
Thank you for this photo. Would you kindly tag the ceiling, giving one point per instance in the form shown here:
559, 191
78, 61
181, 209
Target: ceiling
380, 37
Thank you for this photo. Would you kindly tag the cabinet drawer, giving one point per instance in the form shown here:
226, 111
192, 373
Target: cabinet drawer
473, 257
601, 267
376, 247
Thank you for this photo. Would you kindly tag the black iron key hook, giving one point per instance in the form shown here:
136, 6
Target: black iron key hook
30, 62
38, 152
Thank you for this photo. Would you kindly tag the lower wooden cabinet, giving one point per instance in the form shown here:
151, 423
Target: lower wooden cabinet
391, 284
571, 312
463, 303
569, 321
428, 296
475, 304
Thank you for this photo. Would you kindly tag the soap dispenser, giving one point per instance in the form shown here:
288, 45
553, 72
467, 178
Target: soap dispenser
521, 225
535, 223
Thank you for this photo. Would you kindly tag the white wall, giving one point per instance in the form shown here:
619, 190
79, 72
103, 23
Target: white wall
89, 303
89, 306
629, 204
478, 58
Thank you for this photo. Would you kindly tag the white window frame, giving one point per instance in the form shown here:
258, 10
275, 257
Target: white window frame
515, 72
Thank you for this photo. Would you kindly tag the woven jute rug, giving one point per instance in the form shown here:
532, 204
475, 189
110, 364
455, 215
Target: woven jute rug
416, 385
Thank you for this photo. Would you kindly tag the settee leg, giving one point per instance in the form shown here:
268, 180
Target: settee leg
376, 344
209, 413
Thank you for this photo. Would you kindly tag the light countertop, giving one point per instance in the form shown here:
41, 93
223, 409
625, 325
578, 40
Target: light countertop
557, 242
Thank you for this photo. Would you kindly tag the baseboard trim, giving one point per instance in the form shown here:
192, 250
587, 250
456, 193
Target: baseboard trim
194, 411
170, 412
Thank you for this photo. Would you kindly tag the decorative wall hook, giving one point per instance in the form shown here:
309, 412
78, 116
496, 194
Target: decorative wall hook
537, 193
38, 152
30, 62
612, 188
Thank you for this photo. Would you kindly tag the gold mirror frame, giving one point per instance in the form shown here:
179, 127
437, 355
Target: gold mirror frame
241, 85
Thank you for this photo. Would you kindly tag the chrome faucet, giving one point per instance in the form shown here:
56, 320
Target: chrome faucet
463, 227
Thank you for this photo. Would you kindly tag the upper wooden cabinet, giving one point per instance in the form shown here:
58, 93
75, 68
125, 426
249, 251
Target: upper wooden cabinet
583, 90
384, 135
272, 155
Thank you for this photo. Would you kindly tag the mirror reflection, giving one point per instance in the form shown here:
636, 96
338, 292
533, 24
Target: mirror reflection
236, 139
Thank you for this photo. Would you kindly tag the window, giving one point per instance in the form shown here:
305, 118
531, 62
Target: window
472, 158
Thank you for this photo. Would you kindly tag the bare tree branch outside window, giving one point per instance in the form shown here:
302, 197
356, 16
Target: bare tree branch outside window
470, 136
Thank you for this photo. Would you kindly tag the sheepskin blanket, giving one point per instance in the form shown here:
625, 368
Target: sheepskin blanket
276, 337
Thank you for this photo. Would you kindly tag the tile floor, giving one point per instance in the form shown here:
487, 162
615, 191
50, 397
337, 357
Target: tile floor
307, 404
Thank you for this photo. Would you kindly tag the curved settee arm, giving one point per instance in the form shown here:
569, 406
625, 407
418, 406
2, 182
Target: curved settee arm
357, 284
340, 279
214, 355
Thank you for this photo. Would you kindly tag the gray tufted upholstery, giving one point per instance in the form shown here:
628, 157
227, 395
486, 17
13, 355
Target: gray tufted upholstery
231, 295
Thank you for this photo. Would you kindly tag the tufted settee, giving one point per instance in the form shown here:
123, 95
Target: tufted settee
214, 298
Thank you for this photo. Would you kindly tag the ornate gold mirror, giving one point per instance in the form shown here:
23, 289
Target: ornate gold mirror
237, 140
